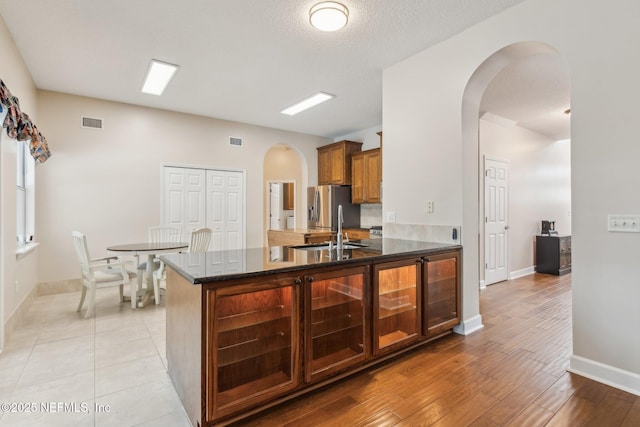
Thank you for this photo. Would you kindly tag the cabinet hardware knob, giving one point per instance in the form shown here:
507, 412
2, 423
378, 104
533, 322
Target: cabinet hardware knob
298, 281
310, 279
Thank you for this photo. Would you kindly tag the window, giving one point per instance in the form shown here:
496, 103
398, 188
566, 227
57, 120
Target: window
24, 171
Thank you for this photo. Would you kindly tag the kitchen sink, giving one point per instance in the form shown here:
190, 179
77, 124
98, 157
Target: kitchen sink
326, 246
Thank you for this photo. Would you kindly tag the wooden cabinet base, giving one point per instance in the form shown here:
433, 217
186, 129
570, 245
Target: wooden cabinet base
237, 347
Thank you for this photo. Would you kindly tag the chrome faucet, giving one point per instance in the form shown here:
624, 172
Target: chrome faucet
339, 242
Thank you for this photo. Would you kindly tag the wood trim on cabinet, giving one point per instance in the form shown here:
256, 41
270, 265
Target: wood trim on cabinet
337, 364
248, 397
399, 340
184, 332
447, 323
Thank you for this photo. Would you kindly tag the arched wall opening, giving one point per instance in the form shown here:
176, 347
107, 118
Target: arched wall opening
471, 163
284, 164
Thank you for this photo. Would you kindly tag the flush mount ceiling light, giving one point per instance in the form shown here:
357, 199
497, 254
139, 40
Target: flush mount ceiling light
312, 101
158, 76
328, 16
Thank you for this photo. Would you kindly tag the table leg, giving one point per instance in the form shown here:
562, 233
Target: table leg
150, 269
135, 290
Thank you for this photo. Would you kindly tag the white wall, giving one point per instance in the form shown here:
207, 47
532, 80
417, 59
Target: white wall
107, 183
429, 114
369, 137
539, 186
17, 277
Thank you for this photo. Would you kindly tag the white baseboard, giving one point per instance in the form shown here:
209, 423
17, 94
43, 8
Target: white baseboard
483, 285
11, 325
606, 374
521, 273
469, 326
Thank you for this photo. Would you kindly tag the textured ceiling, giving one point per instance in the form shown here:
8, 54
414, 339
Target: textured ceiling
242, 60
534, 92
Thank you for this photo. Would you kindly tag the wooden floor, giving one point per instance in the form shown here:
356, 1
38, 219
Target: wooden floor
511, 373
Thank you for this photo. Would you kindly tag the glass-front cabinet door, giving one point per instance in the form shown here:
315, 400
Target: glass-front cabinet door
253, 344
442, 301
337, 327
396, 290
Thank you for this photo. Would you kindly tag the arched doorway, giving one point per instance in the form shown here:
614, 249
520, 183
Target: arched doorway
473, 217
283, 172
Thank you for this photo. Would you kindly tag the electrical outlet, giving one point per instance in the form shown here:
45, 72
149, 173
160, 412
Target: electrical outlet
430, 206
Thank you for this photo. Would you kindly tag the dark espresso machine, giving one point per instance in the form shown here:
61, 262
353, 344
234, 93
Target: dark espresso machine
549, 228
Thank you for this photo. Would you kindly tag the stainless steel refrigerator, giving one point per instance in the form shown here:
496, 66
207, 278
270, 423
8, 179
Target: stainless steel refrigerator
322, 207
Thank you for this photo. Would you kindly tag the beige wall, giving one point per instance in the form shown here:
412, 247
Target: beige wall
107, 183
539, 187
17, 277
430, 112
369, 137
284, 163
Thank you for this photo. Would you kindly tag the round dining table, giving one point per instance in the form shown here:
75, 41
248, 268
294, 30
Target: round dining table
151, 250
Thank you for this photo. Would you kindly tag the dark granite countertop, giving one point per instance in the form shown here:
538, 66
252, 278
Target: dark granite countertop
199, 268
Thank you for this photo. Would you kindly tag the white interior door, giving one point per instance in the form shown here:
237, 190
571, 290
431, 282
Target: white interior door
235, 210
274, 206
496, 175
184, 199
225, 217
195, 198
225, 209
195, 186
174, 197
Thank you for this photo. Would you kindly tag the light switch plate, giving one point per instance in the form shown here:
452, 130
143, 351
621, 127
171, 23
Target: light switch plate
623, 223
391, 216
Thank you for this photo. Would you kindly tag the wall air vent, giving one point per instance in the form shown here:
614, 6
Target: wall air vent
89, 122
237, 142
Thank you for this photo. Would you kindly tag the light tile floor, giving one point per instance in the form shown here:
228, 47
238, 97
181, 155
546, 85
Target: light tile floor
60, 369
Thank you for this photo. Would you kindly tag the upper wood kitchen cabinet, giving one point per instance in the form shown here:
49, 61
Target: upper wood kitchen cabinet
334, 162
366, 172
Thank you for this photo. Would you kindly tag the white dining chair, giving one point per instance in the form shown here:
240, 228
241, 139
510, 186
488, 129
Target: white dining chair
200, 239
100, 273
168, 234
199, 242
158, 234
161, 234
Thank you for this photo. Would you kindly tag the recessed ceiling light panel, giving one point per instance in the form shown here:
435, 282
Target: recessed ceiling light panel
312, 101
158, 76
329, 16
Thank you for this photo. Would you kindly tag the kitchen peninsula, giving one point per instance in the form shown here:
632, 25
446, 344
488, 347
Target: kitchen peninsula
251, 328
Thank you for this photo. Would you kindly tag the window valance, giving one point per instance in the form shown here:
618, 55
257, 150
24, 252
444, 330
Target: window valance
18, 125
